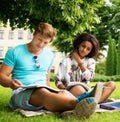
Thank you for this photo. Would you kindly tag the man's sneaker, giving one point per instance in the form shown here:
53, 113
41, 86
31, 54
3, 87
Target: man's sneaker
84, 109
97, 91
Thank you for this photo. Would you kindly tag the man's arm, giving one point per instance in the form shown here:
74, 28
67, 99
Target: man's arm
5, 79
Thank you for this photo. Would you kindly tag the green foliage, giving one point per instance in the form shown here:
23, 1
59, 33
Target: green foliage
114, 1
69, 17
109, 25
118, 58
111, 58
104, 78
52, 77
100, 68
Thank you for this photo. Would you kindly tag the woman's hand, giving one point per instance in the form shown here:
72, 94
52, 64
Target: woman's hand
76, 57
79, 61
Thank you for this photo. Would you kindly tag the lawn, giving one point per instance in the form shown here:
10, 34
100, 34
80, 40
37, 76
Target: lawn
7, 115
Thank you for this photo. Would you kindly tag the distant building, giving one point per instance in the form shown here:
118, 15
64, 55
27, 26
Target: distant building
10, 38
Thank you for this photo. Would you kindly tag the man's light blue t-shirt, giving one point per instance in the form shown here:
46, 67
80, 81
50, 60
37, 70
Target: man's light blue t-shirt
23, 64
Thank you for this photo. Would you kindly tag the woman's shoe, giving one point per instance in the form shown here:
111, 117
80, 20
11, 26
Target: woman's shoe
96, 93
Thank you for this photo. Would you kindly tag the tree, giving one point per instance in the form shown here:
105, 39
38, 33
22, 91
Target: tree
69, 17
118, 58
110, 68
109, 25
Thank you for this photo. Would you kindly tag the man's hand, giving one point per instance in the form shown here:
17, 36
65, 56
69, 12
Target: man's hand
15, 84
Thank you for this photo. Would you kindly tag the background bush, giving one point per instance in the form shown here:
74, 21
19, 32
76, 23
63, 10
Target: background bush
103, 78
52, 77
100, 68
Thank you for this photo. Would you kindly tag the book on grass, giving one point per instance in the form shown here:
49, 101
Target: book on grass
110, 105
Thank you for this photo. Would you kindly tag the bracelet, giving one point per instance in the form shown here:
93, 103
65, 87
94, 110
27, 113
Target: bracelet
80, 64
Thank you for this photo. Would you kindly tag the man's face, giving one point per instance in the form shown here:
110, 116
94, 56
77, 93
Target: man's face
39, 41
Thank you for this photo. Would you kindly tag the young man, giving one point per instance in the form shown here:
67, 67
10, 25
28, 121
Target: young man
30, 66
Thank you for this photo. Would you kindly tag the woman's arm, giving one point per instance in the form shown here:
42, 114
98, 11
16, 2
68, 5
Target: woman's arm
88, 69
61, 80
61, 86
79, 61
89, 73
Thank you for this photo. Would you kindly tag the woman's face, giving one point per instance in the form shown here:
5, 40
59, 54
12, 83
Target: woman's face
85, 48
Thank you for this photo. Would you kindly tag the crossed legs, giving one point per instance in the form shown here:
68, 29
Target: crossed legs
64, 100
54, 102
108, 89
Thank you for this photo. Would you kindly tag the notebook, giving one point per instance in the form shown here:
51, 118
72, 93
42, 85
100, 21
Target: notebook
110, 105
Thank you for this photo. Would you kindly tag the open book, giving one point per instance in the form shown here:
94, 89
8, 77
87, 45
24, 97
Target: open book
39, 86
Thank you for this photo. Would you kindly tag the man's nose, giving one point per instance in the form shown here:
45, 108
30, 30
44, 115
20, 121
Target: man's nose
41, 44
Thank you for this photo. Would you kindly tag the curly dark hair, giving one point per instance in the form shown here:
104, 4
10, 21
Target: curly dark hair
87, 37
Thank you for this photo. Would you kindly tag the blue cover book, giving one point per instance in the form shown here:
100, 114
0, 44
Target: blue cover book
110, 105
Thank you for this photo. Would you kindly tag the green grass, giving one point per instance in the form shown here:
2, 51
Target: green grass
7, 115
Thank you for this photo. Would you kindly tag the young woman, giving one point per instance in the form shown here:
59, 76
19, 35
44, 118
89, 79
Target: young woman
76, 71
